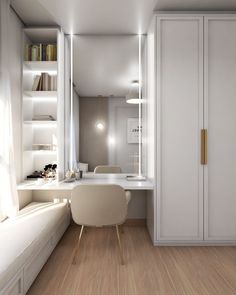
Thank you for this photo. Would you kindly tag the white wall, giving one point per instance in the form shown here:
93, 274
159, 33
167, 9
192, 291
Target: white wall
149, 118
76, 125
15, 50
67, 103
121, 152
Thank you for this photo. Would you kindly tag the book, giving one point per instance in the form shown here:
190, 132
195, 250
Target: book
40, 52
55, 52
44, 82
36, 83
55, 83
50, 52
27, 53
39, 88
35, 53
44, 47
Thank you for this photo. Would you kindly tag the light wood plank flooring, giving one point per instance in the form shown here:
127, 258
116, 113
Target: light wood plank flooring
149, 270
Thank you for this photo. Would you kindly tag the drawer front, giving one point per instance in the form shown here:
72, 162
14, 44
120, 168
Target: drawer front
32, 269
15, 286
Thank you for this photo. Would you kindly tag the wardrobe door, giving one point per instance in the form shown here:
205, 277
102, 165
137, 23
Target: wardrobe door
180, 109
220, 120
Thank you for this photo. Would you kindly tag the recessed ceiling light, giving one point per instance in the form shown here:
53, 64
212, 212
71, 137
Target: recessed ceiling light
99, 126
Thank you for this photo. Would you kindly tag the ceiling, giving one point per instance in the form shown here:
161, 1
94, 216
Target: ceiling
106, 16
88, 16
105, 65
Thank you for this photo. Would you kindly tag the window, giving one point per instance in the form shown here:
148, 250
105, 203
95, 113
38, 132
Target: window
1, 154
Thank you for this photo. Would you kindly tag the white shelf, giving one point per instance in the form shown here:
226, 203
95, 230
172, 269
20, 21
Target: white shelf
42, 123
52, 95
41, 152
41, 66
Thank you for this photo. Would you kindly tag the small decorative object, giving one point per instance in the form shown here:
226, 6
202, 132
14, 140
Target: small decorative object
35, 175
77, 175
133, 130
43, 118
44, 147
70, 176
83, 167
77, 171
50, 171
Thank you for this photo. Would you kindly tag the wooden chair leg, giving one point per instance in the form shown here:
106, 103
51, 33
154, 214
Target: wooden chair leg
77, 246
120, 247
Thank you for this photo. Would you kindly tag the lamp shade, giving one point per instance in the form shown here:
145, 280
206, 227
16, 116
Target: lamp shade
133, 95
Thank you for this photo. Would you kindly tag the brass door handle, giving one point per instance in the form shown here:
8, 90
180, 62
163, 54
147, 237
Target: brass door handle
203, 146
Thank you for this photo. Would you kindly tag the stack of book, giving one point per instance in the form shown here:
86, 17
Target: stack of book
43, 118
45, 82
41, 52
44, 147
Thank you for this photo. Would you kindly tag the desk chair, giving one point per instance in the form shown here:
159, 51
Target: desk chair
111, 169
99, 205
107, 169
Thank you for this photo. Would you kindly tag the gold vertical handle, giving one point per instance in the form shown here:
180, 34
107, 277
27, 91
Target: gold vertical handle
205, 150
203, 146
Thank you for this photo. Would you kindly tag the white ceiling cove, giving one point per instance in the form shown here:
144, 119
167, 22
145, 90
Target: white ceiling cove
106, 16
88, 16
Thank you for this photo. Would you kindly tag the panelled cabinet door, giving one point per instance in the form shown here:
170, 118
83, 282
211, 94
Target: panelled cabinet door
180, 109
220, 120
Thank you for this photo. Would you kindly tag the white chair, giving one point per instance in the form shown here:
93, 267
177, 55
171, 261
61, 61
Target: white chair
107, 169
99, 205
111, 169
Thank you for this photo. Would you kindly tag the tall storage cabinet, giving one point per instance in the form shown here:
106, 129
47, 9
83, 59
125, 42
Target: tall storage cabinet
195, 91
220, 121
180, 91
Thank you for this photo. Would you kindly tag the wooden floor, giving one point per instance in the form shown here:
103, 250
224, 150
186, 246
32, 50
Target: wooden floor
148, 270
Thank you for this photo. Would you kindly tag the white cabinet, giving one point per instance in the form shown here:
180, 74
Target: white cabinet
180, 95
220, 121
195, 89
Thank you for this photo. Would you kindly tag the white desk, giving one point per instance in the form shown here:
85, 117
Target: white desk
54, 185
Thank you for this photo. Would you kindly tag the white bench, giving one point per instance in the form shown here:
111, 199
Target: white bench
27, 241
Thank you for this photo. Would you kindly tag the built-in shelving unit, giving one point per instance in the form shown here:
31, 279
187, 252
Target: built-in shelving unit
42, 117
41, 123
44, 95
40, 66
42, 152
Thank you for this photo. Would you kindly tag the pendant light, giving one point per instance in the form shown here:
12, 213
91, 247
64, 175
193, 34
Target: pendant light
133, 95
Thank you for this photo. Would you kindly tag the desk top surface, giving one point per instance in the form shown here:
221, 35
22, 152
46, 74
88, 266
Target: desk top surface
55, 185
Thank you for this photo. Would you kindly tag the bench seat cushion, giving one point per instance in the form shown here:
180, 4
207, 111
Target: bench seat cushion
23, 235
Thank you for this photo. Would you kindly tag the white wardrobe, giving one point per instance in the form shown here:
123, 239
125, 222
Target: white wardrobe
195, 91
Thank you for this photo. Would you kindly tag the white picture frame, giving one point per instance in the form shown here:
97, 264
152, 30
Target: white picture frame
132, 130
